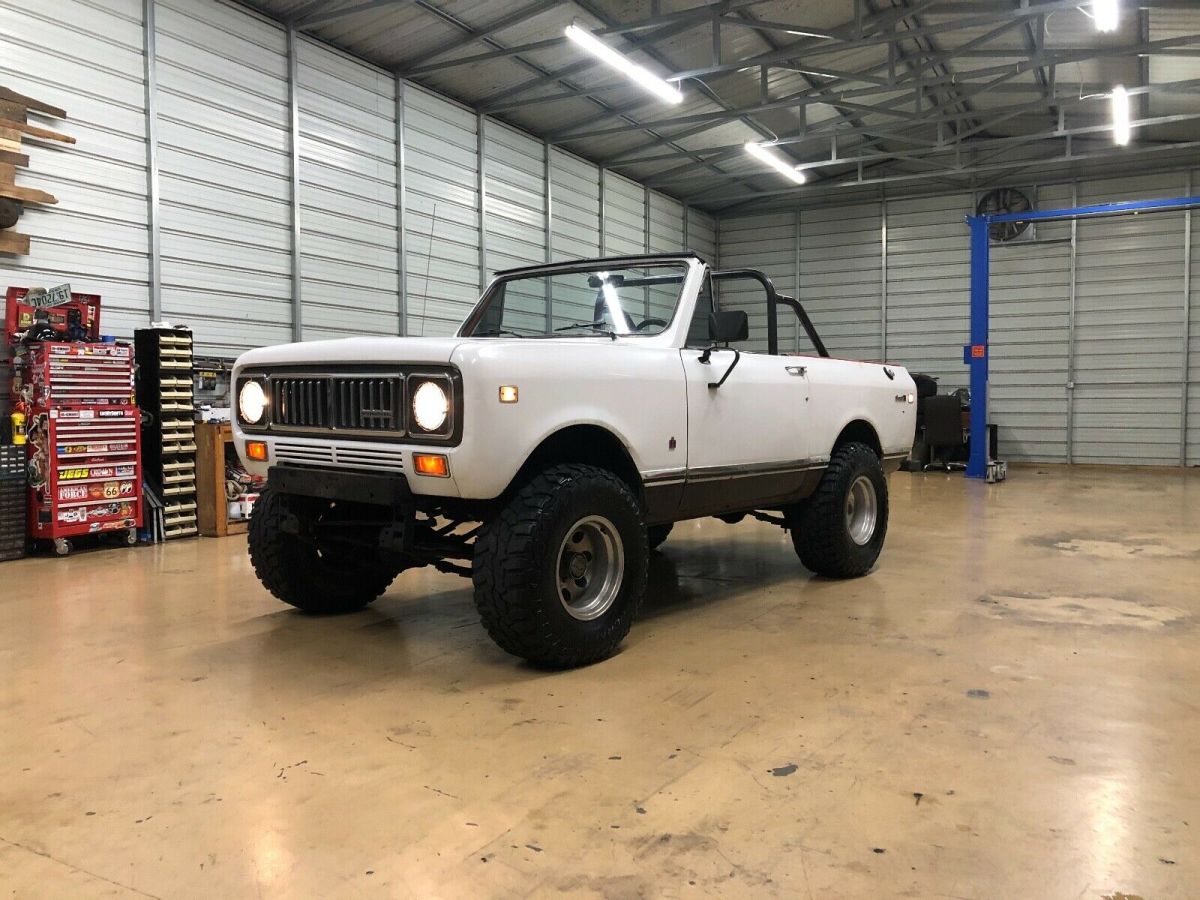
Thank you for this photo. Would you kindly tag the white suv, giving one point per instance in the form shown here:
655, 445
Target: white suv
547, 448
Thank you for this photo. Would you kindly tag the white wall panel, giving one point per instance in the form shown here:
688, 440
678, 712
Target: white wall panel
841, 277
624, 216
928, 286
702, 236
515, 217
664, 234
1029, 334
1128, 335
441, 212
766, 242
575, 207
349, 237
96, 236
225, 175
1129, 312
1193, 329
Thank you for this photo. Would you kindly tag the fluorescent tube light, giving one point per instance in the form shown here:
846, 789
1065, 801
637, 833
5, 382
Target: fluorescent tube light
1120, 115
1106, 14
624, 65
776, 162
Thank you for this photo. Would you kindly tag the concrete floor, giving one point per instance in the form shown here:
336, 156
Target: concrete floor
1006, 707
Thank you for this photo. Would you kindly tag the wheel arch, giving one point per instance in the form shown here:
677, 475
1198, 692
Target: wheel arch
860, 431
587, 443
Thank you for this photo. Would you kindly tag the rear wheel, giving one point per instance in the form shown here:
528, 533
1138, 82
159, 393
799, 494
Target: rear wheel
560, 571
657, 534
839, 531
314, 575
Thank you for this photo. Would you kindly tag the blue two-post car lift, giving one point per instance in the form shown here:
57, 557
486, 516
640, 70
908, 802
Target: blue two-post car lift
977, 352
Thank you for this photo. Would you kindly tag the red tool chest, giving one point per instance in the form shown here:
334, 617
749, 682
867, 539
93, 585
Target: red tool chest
85, 469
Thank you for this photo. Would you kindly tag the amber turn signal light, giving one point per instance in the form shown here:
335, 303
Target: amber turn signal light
431, 464
257, 450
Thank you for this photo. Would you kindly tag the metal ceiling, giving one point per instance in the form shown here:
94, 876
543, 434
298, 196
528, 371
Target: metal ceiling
912, 94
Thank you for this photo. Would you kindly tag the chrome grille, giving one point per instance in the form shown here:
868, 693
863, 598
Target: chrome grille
351, 403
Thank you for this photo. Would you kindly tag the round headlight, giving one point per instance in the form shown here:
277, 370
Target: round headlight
430, 406
252, 402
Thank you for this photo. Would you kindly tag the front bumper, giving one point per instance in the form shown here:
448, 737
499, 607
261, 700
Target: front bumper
333, 484
353, 458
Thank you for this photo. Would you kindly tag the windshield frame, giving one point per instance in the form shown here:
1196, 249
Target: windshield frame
685, 260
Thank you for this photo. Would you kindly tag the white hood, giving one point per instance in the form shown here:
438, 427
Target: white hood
355, 350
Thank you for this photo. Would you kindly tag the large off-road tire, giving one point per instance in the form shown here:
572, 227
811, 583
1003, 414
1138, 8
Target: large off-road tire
559, 572
657, 534
334, 579
839, 530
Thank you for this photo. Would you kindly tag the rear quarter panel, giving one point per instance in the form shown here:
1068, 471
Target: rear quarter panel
842, 391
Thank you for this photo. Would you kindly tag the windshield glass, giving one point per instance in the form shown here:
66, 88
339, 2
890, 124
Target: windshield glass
595, 299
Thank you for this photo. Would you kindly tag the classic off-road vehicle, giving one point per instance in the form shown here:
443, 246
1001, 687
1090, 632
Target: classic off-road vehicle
547, 447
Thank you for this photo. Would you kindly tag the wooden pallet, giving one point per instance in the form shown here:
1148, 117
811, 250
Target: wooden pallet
14, 129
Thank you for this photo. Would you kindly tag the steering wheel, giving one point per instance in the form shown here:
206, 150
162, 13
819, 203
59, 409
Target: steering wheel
648, 322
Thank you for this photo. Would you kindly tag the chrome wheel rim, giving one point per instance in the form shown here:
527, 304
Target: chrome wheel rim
591, 566
862, 510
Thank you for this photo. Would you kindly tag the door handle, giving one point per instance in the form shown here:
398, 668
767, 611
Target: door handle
799, 371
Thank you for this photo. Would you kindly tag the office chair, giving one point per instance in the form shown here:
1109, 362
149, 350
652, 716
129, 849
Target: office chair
944, 431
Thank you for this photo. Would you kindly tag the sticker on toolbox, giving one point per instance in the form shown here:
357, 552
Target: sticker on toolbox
75, 474
113, 414
110, 489
72, 492
77, 449
78, 413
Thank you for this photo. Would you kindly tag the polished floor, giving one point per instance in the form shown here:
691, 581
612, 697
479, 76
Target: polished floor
1008, 706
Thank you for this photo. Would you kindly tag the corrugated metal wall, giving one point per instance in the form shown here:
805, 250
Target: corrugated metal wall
515, 220
1128, 328
349, 236
1127, 344
701, 235
224, 169
928, 286
767, 243
841, 273
624, 210
575, 206
1030, 315
225, 152
1192, 222
441, 214
664, 234
96, 236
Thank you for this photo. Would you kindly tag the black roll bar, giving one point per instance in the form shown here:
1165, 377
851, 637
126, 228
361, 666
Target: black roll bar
773, 301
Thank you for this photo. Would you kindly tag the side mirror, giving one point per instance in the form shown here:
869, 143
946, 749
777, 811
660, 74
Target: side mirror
728, 326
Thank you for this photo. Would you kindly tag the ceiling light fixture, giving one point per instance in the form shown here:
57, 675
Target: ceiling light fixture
776, 162
1106, 14
1120, 116
623, 64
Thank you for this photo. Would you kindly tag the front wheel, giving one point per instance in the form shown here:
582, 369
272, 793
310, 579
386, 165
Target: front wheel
314, 574
560, 571
838, 531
